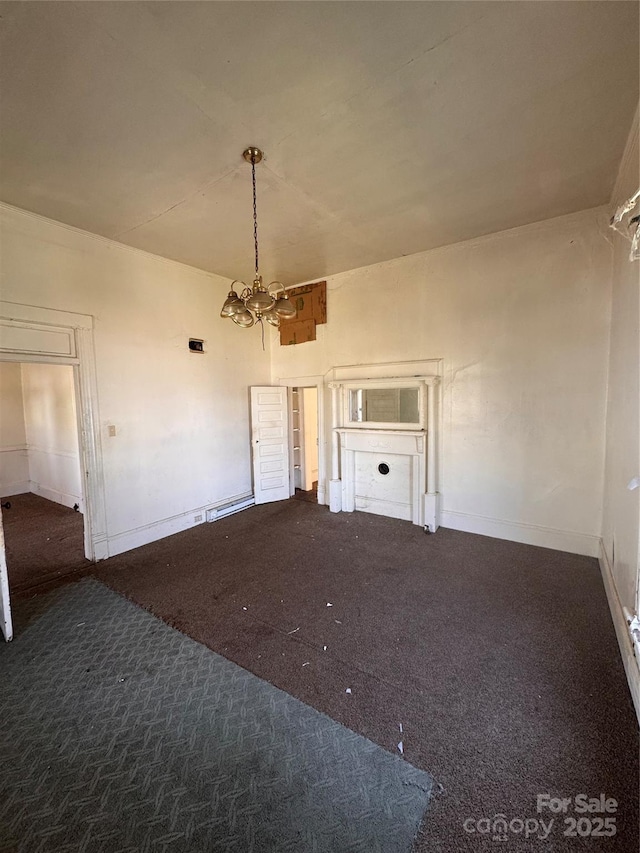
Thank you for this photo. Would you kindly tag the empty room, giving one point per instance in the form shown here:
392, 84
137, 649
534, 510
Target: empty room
319, 426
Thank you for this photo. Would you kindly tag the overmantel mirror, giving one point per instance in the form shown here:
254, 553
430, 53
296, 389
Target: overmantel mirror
388, 404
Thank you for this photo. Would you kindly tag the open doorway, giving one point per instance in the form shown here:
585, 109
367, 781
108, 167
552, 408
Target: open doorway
41, 482
303, 417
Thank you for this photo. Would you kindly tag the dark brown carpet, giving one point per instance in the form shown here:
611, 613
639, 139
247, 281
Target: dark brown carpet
311, 496
499, 660
44, 541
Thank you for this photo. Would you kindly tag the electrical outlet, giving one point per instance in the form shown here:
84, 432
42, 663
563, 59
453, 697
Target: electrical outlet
197, 518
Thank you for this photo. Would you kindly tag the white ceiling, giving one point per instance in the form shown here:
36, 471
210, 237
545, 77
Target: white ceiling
389, 127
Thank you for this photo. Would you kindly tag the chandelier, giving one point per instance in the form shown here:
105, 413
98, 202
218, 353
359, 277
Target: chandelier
626, 221
257, 303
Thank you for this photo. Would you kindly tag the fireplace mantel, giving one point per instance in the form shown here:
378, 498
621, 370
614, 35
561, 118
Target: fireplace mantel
386, 470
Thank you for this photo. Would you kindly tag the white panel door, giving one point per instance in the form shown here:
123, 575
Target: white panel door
270, 443
5, 608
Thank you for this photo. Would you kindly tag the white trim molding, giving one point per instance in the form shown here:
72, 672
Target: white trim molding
30, 333
629, 660
128, 539
369, 444
14, 476
335, 484
418, 441
528, 534
317, 382
387, 370
118, 543
33, 315
56, 496
15, 487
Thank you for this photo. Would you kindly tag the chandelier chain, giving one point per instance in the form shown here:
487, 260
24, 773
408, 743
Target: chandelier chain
255, 211
253, 305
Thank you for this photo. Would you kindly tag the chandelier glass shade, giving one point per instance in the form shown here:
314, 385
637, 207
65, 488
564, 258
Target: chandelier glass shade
248, 305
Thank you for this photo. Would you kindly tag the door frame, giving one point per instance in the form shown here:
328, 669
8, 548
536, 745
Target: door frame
61, 337
318, 383
6, 628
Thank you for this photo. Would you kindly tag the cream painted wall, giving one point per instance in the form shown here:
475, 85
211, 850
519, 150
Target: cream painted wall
622, 506
14, 463
181, 419
52, 432
521, 319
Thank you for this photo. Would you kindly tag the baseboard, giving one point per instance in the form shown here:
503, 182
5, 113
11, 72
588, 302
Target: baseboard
631, 663
7, 490
528, 534
55, 496
118, 543
15, 470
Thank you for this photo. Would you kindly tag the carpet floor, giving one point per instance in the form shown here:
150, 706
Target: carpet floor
499, 660
311, 496
43, 539
119, 733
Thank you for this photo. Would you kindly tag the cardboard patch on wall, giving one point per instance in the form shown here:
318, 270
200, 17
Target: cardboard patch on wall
310, 301
297, 332
303, 305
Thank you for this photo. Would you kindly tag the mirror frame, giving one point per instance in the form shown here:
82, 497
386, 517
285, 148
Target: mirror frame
391, 384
